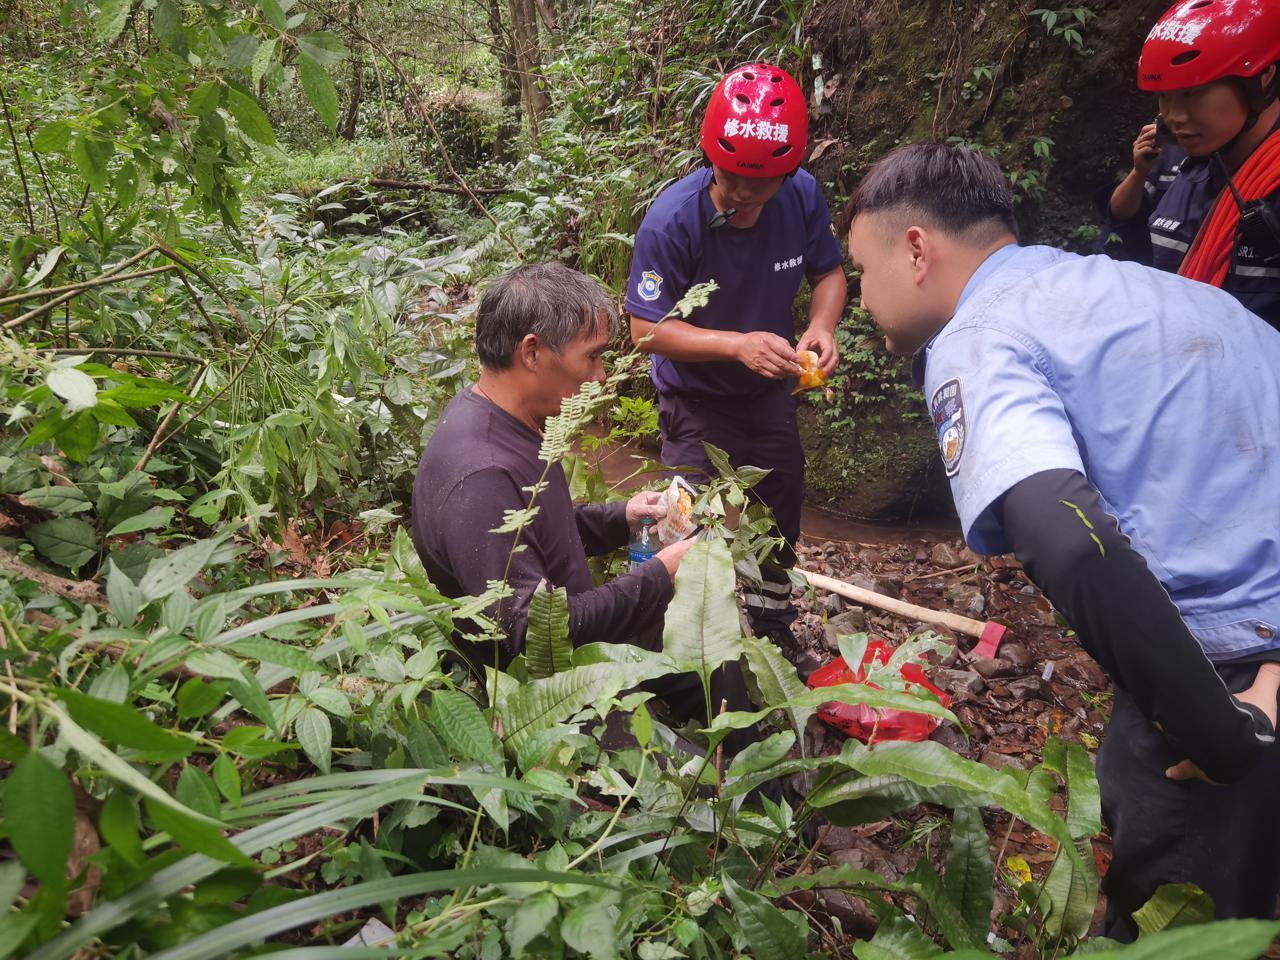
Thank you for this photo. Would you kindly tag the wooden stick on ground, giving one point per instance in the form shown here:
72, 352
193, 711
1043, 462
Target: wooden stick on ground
989, 634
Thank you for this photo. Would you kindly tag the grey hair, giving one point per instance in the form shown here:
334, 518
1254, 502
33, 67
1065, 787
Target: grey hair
949, 186
553, 302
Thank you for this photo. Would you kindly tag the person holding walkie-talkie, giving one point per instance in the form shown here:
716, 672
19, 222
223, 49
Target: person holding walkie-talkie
756, 223
1203, 196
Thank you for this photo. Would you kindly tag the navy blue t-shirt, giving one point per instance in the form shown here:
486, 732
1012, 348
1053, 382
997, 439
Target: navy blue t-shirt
758, 270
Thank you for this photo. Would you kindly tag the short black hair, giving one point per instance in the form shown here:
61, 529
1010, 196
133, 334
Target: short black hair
954, 188
554, 302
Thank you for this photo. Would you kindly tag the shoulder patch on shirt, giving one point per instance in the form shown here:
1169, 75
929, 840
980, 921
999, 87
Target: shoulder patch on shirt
947, 410
650, 285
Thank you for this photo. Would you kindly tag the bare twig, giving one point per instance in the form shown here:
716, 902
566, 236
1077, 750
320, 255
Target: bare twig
80, 288
17, 156
127, 352
82, 591
168, 419
385, 184
44, 182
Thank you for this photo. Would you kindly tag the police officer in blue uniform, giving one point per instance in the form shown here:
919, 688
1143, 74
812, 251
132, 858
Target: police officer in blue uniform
1114, 427
1214, 68
757, 224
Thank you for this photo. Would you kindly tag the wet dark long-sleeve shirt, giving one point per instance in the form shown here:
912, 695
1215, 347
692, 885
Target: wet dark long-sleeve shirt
476, 466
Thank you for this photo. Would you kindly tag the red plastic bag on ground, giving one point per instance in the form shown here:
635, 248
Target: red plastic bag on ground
869, 724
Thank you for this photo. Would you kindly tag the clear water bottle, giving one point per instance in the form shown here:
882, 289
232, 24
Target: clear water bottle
644, 546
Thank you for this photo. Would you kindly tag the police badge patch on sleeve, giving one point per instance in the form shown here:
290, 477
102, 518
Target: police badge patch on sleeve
650, 285
947, 409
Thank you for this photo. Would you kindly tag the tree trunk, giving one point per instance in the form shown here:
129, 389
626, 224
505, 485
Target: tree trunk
524, 33
347, 128
506, 55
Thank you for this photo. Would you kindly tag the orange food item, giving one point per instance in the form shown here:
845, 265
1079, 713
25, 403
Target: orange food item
812, 376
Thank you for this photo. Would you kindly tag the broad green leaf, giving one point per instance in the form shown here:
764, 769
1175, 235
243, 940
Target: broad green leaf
274, 15
13, 877
771, 935
1223, 940
166, 21
52, 137
969, 876
78, 435
322, 47
121, 723
314, 732
262, 60
118, 824
250, 117
335, 702
272, 651
227, 778
547, 648
175, 570
47, 264
123, 595
153, 519
92, 157
702, 629
762, 754
320, 90
229, 938
66, 541
96, 752
899, 939
590, 929
532, 919
39, 813
14, 930
112, 16
463, 727
1174, 905
1070, 893
125, 188
930, 764
195, 835
76, 387
60, 500
933, 896
777, 681
196, 698
196, 790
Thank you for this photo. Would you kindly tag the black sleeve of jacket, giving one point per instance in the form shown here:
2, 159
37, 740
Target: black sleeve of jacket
602, 526
1074, 552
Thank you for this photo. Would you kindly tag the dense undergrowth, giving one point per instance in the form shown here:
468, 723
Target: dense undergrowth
233, 723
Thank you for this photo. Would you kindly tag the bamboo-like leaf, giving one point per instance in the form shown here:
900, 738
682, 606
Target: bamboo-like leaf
190, 870
230, 937
320, 90
702, 628
547, 649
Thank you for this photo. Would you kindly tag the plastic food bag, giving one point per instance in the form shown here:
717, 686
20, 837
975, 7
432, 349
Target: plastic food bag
869, 724
678, 523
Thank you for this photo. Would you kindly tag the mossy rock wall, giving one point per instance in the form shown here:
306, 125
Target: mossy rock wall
895, 71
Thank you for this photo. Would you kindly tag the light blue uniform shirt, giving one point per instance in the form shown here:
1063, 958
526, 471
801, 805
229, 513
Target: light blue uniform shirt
1163, 392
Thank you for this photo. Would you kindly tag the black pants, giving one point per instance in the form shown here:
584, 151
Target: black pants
759, 432
1224, 839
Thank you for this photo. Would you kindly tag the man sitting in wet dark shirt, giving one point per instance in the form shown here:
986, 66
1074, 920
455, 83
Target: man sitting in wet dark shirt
541, 332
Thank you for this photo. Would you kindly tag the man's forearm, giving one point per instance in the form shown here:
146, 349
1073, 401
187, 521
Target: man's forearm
1126, 199
683, 341
826, 304
1074, 551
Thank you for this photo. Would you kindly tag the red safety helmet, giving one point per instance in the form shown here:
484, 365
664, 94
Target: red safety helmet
757, 123
1199, 41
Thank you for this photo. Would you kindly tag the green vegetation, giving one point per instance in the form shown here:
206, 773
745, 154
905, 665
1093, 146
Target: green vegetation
241, 247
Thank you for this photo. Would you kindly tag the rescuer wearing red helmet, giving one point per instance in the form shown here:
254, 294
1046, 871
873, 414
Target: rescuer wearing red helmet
757, 224
1201, 197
